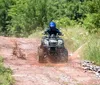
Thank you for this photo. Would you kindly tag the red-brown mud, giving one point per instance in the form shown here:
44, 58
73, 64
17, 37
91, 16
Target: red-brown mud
20, 55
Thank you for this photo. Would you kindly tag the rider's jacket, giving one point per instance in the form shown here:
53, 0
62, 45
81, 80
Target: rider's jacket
54, 31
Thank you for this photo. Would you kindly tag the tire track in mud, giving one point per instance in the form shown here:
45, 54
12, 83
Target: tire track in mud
27, 70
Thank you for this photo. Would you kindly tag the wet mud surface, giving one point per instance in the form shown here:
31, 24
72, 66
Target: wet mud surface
20, 55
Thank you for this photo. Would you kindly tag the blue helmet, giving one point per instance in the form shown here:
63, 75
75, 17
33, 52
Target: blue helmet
52, 25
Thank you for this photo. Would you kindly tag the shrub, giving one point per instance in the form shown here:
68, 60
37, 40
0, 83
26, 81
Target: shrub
92, 23
5, 74
65, 22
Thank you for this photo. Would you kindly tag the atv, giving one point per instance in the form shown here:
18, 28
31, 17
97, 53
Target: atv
52, 47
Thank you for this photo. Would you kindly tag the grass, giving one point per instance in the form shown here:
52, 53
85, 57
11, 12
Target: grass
5, 74
37, 33
74, 37
92, 50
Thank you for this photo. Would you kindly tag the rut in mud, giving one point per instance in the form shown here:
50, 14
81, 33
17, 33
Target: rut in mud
20, 55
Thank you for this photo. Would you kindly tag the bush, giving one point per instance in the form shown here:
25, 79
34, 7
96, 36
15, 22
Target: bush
65, 22
92, 23
5, 74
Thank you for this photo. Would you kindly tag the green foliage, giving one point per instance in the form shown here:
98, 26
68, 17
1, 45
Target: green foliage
92, 50
22, 17
92, 23
74, 37
27, 16
5, 74
65, 22
1, 60
4, 18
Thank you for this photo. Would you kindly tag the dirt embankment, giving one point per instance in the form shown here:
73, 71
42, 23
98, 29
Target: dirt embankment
20, 55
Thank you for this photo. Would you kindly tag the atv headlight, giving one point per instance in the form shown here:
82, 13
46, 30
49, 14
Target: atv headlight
60, 42
53, 41
46, 42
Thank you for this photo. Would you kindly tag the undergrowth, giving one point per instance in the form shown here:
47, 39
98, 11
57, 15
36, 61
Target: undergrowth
92, 50
74, 37
5, 74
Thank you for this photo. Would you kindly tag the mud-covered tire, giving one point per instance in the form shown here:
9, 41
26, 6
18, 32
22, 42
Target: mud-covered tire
64, 55
40, 55
53, 57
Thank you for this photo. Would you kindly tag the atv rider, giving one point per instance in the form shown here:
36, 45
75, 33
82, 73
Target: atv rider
52, 29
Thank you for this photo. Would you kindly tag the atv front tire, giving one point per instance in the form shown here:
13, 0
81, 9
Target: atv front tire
40, 55
64, 55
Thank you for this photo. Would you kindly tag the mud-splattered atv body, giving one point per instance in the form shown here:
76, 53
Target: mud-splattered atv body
53, 48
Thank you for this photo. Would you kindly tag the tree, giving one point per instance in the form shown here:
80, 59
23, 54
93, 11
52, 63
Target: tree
4, 18
20, 17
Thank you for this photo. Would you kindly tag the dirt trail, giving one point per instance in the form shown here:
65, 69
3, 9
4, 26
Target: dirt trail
20, 55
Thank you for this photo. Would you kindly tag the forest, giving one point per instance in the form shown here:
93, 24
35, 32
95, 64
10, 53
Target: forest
21, 17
